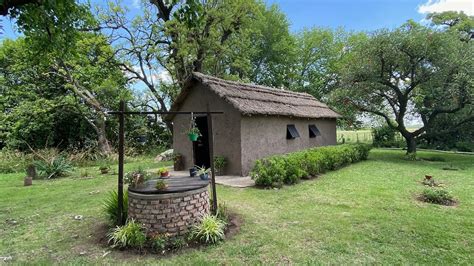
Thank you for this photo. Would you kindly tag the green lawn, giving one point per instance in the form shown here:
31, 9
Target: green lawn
364, 213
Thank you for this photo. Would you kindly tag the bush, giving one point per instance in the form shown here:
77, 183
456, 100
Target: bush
269, 172
13, 161
437, 196
56, 166
290, 168
129, 235
465, 146
111, 206
209, 230
383, 136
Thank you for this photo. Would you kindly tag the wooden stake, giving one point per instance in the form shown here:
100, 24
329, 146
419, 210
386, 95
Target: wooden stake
120, 218
211, 155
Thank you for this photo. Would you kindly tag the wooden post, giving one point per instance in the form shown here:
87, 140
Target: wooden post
211, 155
120, 218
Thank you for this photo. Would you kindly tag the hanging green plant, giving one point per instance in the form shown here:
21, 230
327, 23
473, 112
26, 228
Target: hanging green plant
193, 132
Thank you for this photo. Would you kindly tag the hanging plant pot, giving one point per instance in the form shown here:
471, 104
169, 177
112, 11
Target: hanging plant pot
193, 136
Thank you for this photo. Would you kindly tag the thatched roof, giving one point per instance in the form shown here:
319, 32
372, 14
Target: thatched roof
251, 99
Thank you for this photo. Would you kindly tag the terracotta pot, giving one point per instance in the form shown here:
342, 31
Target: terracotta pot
428, 177
165, 174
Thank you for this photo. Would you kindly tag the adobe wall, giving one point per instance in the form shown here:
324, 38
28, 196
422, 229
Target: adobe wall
226, 128
263, 136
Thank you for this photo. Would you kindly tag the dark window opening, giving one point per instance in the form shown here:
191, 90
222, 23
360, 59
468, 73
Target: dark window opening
313, 131
291, 132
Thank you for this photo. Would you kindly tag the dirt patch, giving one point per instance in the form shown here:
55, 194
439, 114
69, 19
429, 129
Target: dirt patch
235, 222
100, 234
450, 169
448, 203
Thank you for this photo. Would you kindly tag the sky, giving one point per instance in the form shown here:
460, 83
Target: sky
356, 15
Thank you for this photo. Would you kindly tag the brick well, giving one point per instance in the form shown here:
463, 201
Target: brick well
172, 213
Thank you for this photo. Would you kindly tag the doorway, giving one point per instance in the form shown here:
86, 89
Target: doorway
201, 146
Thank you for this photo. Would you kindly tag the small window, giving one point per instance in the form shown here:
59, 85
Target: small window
291, 132
313, 131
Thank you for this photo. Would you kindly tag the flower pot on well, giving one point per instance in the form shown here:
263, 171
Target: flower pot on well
204, 176
193, 136
164, 174
192, 172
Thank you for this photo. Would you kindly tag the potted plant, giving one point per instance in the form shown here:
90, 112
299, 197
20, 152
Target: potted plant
194, 133
136, 178
203, 172
192, 171
104, 169
161, 184
163, 172
428, 177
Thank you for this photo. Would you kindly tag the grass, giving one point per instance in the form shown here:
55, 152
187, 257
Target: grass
355, 136
364, 213
361, 136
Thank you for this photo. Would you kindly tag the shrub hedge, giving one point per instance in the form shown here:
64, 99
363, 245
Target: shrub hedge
290, 168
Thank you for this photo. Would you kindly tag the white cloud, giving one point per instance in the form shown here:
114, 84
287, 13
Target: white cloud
467, 6
165, 77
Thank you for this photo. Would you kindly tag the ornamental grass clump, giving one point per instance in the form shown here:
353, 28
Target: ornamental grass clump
292, 167
209, 230
111, 206
54, 167
130, 235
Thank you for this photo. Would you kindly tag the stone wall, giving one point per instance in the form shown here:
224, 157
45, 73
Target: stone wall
172, 213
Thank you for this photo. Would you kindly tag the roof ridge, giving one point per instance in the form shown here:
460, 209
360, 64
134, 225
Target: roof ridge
324, 106
266, 89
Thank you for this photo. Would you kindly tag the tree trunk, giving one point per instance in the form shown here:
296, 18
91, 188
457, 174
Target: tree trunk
411, 144
102, 141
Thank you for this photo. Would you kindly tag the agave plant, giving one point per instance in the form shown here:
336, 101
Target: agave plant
56, 166
111, 206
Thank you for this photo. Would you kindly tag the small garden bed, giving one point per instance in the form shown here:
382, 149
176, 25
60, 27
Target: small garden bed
437, 196
435, 193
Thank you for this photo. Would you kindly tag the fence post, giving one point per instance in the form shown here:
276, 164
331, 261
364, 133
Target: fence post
120, 218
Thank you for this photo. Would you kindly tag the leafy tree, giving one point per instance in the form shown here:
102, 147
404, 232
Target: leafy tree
412, 70
272, 49
40, 98
318, 53
455, 21
54, 30
232, 39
